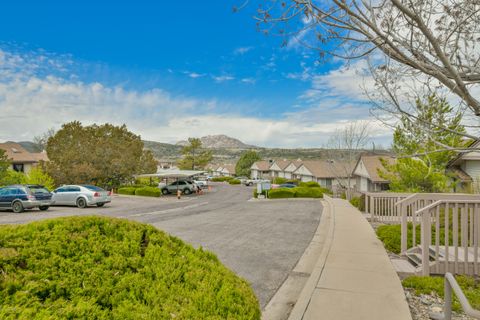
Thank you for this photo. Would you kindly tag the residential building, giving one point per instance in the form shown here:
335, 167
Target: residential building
465, 170
21, 159
261, 169
290, 169
228, 170
366, 173
277, 168
330, 174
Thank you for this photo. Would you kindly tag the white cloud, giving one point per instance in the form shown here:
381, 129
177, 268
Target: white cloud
31, 103
249, 80
242, 50
195, 75
223, 78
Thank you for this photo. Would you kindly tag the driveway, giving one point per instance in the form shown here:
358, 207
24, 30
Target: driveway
259, 240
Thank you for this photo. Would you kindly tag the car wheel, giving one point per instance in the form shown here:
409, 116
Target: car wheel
81, 203
250, 184
43, 208
187, 191
165, 191
17, 207
100, 204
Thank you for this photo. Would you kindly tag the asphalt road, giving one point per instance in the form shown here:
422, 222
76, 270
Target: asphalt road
259, 240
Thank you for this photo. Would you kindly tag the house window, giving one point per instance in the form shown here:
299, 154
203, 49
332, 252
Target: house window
18, 167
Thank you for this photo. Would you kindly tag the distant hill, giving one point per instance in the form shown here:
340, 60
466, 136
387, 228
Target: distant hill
30, 146
220, 141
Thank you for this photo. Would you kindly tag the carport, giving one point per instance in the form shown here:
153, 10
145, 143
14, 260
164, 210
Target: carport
175, 174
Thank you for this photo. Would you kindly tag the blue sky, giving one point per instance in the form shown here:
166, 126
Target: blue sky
168, 70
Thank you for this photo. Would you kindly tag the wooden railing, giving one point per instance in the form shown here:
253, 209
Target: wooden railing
382, 206
409, 206
450, 237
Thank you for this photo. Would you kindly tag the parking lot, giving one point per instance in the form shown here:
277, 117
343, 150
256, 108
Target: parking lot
260, 240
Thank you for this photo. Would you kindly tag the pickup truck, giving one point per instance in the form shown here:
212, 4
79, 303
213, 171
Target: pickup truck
251, 182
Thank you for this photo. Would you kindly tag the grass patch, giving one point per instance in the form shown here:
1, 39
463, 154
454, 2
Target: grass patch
104, 268
427, 285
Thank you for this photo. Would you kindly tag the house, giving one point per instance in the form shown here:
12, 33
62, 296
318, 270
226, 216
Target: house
290, 169
330, 174
465, 170
277, 168
228, 170
261, 169
21, 159
366, 173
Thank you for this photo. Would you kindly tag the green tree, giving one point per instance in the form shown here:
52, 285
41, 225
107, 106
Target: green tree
245, 162
418, 145
194, 156
105, 155
4, 164
12, 177
38, 176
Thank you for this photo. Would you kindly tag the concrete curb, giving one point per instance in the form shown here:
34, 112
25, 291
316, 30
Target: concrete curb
306, 294
293, 292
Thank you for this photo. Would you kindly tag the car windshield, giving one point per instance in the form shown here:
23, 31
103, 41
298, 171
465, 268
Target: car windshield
93, 188
39, 190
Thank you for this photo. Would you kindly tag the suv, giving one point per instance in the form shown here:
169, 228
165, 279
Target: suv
186, 187
21, 197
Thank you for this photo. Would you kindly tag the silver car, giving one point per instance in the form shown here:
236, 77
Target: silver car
81, 196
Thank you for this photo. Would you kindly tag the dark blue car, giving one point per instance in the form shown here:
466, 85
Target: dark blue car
287, 185
21, 197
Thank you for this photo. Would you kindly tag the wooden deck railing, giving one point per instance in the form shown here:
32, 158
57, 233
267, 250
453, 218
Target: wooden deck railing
382, 206
449, 236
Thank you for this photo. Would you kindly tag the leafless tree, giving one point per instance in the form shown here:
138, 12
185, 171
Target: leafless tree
344, 148
423, 45
41, 140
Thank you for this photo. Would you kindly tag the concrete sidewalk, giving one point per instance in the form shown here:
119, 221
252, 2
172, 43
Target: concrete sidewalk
353, 277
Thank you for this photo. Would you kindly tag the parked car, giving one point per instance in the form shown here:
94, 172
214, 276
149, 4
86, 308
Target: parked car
201, 184
242, 179
81, 196
21, 197
186, 187
287, 185
251, 182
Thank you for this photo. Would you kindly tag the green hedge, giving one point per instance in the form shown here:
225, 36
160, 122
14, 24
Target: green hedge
309, 184
281, 193
309, 192
148, 192
127, 190
234, 181
222, 179
105, 268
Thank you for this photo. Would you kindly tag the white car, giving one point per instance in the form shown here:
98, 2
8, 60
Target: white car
81, 196
201, 184
251, 182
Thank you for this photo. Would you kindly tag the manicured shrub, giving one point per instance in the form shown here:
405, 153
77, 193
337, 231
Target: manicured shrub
358, 202
234, 181
303, 192
281, 193
104, 268
148, 192
127, 190
309, 184
295, 182
279, 180
222, 179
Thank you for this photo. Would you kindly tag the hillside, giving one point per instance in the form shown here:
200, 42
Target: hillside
219, 141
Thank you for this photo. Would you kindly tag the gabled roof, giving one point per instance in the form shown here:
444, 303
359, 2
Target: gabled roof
282, 164
372, 164
460, 174
230, 168
326, 168
262, 165
456, 161
18, 154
